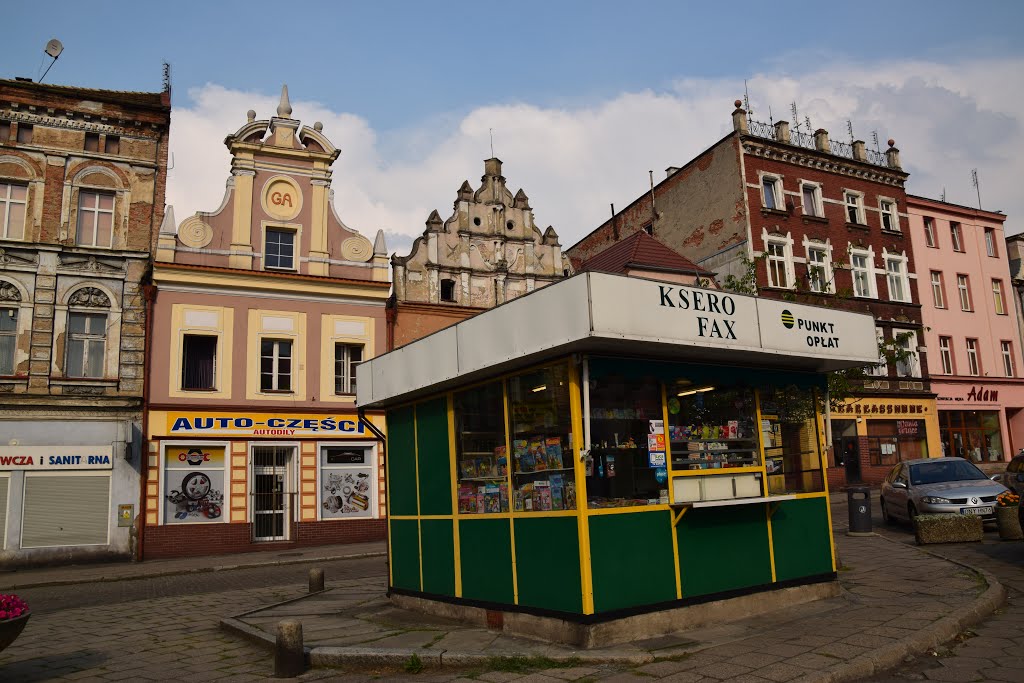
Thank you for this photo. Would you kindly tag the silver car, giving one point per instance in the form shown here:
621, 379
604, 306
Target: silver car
936, 485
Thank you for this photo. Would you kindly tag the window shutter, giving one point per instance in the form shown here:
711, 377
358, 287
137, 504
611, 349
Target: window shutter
65, 510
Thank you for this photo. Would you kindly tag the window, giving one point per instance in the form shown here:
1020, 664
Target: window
480, 448
954, 234
649, 228
890, 220
963, 287
771, 195
447, 289
346, 357
92, 142
5, 131
862, 269
86, 345
778, 264
938, 290
112, 144
882, 368
929, 231
8, 339
812, 199
1007, 349
25, 133
199, 362
909, 366
280, 249
896, 276
819, 270
95, 219
854, 207
997, 297
972, 357
990, 242
13, 200
194, 477
348, 482
275, 365
946, 354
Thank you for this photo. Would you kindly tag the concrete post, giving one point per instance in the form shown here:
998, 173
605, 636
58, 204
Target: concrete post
892, 155
782, 131
316, 580
860, 152
821, 140
289, 655
739, 118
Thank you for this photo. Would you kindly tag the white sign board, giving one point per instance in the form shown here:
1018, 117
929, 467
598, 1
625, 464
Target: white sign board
51, 458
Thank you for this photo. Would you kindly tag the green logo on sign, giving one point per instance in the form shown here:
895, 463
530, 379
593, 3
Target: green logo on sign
787, 319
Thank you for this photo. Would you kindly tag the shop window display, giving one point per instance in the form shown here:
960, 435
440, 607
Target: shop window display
193, 483
712, 428
893, 441
481, 450
543, 476
789, 431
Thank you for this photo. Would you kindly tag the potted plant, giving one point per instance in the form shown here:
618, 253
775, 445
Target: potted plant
1007, 505
14, 615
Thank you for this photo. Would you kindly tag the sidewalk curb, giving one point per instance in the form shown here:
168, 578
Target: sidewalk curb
937, 633
195, 570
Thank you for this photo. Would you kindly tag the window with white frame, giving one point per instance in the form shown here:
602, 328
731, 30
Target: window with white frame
771, 193
86, 345
954, 234
8, 340
854, 207
946, 354
811, 193
973, 363
819, 269
95, 219
896, 277
779, 263
279, 250
938, 289
13, 203
348, 481
997, 297
964, 289
346, 358
881, 369
863, 272
890, 219
929, 231
275, 365
1007, 348
990, 242
908, 366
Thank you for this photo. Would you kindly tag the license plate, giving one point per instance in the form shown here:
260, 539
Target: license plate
976, 511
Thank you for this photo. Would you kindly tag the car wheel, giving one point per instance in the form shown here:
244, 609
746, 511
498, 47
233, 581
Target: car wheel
911, 513
885, 512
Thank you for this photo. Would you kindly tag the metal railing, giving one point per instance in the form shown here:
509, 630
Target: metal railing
806, 140
761, 129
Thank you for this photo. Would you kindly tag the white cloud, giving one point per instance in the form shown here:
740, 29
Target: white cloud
572, 163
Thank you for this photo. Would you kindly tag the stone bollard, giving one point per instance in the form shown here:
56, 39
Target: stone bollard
289, 654
316, 580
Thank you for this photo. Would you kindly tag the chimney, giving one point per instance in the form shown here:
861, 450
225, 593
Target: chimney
860, 152
821, 140
492, 166
782, 131
892, 156
670, 170
739, 118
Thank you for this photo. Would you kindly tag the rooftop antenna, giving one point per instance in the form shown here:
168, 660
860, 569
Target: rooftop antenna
796, 117
746, 99
771, 121
53, 48
942, 197
849, 128
491, 131
874, 136
167, 77
977, 185
807, 120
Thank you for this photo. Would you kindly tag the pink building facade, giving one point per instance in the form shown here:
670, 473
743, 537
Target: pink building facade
971, 328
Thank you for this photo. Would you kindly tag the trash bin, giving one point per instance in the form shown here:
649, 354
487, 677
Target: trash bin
858, 498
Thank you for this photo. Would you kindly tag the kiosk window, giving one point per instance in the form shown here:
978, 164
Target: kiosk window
480, 449
789, 429
543, 477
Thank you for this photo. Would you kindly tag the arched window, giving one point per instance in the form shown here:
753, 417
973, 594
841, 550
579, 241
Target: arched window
86, 341
98, 200
10, 300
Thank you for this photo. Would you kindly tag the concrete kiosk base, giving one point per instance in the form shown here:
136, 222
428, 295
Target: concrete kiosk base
624, 629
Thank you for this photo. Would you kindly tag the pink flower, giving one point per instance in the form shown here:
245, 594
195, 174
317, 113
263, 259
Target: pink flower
11, 607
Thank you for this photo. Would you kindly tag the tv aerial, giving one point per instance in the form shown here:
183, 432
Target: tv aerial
53, 49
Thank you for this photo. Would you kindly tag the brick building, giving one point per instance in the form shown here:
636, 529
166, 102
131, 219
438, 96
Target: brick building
795, 216
82, 179
262, 309
489, 251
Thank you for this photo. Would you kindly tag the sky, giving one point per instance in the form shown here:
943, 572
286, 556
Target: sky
583, 99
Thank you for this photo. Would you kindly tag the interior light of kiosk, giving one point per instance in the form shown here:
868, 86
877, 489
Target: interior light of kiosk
695, 391
542, 387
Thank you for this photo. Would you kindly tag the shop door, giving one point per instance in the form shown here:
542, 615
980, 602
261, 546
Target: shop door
271, 492
850, 446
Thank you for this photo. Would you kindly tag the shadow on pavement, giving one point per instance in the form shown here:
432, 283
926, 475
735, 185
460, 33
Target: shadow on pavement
50, 667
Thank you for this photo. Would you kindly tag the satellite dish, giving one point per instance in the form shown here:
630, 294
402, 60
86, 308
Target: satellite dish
54, 48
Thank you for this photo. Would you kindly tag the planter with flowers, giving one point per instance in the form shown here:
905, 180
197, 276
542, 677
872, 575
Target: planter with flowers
1007, 505
14, 615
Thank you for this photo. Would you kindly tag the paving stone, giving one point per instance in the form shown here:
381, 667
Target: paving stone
572, 673
956, 675
780, 672
722, 671
663, 668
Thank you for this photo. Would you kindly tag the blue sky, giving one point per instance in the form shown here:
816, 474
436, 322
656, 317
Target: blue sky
412, 87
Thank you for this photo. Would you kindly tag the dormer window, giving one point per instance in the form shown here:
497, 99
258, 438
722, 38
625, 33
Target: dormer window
279, 250
447, 290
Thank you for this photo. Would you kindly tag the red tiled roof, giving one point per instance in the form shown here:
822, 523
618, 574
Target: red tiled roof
640, 251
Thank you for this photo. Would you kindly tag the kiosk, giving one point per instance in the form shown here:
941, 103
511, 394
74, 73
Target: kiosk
593, 461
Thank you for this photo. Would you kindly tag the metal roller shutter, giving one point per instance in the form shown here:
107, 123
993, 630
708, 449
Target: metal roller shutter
61, 511
5, 483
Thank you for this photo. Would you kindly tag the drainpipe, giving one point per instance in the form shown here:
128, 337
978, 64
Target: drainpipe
149, 294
